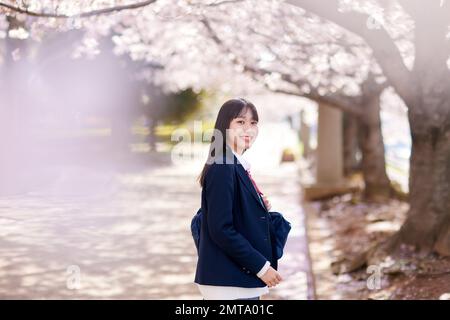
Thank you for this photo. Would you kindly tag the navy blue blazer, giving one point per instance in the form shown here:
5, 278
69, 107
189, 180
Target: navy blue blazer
235, 233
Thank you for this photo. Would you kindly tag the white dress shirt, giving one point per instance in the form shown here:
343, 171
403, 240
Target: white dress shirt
210, 292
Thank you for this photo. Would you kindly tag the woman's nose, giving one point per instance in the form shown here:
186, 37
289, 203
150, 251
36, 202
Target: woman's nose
248, 129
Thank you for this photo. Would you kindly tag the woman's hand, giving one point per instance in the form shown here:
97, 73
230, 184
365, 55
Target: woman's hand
271, 277
266, 202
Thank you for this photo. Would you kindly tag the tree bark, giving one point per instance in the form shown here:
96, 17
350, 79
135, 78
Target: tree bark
351, 144
373, 163
427, 226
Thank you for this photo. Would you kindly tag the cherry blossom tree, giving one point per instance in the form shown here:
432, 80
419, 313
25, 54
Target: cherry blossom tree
333, 68
344, 54
421, 79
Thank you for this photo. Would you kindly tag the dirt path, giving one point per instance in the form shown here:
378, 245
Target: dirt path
126, 235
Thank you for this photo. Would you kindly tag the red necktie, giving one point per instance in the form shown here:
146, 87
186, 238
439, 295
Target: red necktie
253, 181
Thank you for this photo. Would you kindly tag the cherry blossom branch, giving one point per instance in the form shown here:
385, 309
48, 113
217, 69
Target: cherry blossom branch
78, 15
337, 100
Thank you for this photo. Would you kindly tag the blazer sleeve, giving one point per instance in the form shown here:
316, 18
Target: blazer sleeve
219, 189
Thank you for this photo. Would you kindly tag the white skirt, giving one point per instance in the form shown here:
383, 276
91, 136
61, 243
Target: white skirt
230, 293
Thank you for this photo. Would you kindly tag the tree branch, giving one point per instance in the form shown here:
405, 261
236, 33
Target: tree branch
430, 36
219, 3
383, 47
79, 15
346, 104
99, 11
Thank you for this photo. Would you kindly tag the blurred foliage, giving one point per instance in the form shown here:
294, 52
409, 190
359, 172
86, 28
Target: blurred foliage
173, 108
182, 105
168, 112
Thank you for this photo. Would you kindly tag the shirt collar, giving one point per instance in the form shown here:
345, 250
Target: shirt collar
242, 160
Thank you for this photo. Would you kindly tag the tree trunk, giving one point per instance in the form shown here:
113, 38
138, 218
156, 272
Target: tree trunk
373, 164
152, 134
427, 226
10, 112
351, 148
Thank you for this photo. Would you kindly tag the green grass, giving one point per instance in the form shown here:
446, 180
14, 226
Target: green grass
163, 132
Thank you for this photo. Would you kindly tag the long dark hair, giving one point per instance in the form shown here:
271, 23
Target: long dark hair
230, 110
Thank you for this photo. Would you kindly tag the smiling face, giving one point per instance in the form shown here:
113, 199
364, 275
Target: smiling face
242, 132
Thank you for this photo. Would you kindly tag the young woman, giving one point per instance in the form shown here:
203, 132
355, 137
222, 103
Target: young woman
236, 258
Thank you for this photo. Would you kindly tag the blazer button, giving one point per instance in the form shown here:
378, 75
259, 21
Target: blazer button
262, 217
248, 272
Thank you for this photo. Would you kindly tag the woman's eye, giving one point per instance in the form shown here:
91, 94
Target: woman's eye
240, 121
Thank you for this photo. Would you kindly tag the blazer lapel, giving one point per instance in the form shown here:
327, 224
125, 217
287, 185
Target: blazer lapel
248, 183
